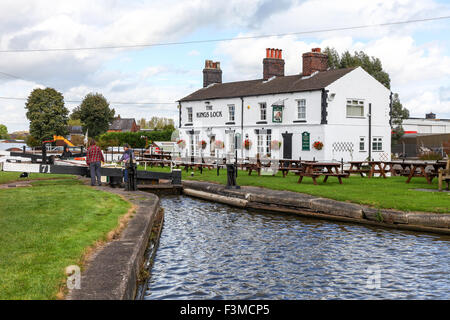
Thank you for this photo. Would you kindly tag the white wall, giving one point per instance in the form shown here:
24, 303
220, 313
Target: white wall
344, 130
426, 126
341, 129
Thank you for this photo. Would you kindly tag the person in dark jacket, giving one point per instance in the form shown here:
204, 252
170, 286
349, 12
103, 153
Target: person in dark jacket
125, 159
66, 153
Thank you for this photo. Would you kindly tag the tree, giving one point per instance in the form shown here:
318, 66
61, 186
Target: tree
161, 123
372, 66
398, 114
143, 123
74, 122
95, 114
3, 132
47, 114
360, 59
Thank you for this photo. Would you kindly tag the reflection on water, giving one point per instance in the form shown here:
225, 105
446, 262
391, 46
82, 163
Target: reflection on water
213, 251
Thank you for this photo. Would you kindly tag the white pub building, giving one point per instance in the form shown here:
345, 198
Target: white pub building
324, 114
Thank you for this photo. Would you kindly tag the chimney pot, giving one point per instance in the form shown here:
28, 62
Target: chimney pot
211, 73
273, 64
314, 61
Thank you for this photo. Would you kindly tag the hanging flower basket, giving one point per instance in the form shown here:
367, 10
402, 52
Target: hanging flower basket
181, 144
275, 145
318, 145
202, 144
219, 144
247, 144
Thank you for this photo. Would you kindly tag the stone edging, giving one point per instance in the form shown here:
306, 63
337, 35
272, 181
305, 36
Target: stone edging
312, 206
113, 271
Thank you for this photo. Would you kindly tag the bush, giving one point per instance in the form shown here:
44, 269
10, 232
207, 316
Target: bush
133, 138
430, 156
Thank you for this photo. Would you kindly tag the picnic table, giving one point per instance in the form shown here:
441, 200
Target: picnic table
404, 170
290, 165
327, 169
419, 169
255, 166
358, 167
383, 166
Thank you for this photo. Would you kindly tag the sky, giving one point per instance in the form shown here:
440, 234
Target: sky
416, 55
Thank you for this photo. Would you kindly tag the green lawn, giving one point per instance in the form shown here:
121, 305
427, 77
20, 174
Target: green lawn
392, 192
46, 228
6, 177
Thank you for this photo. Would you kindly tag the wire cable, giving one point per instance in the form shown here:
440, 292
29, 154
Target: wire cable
134, 46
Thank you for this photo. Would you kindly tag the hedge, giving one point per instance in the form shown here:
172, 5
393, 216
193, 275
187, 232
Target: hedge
133, 138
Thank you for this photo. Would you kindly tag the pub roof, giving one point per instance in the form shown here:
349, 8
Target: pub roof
277, 85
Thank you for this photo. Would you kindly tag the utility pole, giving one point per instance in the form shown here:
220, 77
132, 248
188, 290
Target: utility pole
370, 131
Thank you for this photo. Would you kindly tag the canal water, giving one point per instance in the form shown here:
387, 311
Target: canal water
213, 251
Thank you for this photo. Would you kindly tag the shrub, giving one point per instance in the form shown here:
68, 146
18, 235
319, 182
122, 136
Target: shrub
136, 139
431, 155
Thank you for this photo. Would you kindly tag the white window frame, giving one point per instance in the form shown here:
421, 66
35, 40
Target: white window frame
231, 112
362, 143
231, 142
268, 142
189, 115
354, 103
263, 143
196, 141
263, 111
260, 144
377, 144
191, 145
301, 109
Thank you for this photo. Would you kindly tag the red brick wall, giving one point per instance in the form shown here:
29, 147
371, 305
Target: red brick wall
314, 61
273, 67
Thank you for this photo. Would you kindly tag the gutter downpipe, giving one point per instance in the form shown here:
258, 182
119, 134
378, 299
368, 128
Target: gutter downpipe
242, 127
370, 131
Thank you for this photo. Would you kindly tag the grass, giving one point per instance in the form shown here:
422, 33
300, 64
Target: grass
6, 177
389, 193
46, 228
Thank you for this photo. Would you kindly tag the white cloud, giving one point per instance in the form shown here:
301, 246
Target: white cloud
418, 71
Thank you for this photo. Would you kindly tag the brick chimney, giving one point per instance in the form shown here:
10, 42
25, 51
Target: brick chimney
430, 115
314, 61
273, 64
211, 73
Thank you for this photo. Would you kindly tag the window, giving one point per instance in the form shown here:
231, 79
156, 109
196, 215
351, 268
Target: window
268, 141
197, 148
362, 143
301, 109
231, 141
189, 111
231, 112
377, 144
263, 110
355, 108
260, 146
191, 144
263, 145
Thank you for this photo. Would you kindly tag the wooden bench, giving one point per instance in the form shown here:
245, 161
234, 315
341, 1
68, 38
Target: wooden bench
444, 175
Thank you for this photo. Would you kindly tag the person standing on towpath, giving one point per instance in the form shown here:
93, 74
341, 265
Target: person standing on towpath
127, 155
94, 159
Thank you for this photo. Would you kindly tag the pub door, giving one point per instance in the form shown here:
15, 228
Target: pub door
287, 145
